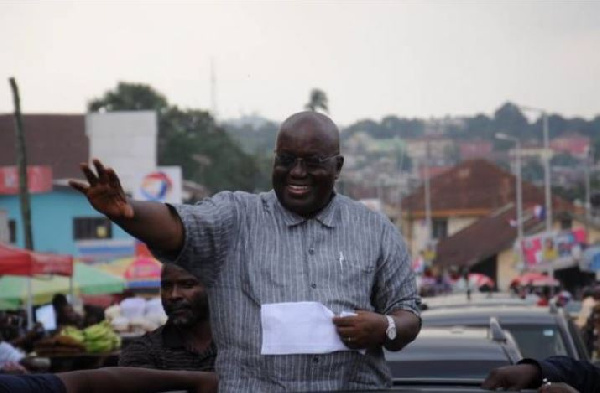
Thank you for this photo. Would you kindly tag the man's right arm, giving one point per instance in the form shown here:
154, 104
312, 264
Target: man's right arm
528, 373
137, 380
155, 224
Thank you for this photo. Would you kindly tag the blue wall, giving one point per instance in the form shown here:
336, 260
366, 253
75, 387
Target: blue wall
52, 219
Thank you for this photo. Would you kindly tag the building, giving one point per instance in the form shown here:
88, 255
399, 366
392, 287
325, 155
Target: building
62, 219
472, 208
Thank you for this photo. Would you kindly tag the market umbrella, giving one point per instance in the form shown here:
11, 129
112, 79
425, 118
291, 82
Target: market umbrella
478, 280
21, 262
534, 278
138, 272
86, 280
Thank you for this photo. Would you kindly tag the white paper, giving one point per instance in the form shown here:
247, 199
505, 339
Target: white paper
298, 328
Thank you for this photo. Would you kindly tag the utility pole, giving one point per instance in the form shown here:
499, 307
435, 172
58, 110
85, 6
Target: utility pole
547, 174
23, 189
588, 168
519, 194
22, 167
427, 196
213, 91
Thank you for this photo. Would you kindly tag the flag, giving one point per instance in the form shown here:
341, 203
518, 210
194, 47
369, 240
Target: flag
539, 212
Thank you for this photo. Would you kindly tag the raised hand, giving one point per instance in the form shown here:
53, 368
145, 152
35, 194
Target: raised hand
104, 191
364, 330
516, 377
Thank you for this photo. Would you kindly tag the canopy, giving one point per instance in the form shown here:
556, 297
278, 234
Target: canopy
478, 280
535, 279
86, 280
138, 272
20, 262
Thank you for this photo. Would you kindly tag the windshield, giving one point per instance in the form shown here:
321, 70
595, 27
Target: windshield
539, 341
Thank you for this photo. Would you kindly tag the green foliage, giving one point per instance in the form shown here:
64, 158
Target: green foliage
189, 138
129, 97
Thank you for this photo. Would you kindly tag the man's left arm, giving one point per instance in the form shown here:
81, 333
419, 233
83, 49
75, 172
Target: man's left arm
395, 294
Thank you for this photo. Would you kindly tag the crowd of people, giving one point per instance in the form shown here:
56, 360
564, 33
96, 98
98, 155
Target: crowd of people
241, 270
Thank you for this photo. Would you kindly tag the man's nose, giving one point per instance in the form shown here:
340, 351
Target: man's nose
175, 293
298, 167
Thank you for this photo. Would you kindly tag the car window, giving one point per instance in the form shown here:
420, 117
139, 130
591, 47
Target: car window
538, 341
444, 369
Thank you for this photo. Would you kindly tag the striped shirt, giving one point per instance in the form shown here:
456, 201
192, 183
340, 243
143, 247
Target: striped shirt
165, 349
249, 250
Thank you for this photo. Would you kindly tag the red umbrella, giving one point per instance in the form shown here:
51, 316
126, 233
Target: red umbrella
478, 280
534, 278
20, 262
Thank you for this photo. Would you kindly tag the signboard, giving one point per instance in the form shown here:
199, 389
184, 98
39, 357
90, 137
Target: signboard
39, 179
161, 185
548, 246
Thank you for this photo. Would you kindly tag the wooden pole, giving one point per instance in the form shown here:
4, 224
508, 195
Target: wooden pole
23, 189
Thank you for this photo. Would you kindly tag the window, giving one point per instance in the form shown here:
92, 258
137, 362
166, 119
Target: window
12, 231
439, 228
91, 228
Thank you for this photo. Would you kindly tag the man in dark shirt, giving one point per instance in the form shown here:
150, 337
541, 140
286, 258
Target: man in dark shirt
554, 374
110, 379
185, 342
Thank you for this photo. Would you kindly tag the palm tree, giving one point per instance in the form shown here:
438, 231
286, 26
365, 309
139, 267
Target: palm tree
317, 100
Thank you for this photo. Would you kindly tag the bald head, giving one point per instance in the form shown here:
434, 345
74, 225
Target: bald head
309, 121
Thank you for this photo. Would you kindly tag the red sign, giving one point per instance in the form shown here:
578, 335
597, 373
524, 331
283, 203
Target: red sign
39, 179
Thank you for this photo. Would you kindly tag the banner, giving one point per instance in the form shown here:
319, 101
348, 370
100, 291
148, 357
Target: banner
548, 246
161, 185
39, 179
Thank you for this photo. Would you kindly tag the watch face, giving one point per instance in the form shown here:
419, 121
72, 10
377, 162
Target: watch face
390, 332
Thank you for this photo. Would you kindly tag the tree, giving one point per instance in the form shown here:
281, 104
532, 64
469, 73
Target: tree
317, 100
510, 120
187, 137
129, 97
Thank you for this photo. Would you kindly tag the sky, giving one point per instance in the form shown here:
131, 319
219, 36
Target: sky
372, 58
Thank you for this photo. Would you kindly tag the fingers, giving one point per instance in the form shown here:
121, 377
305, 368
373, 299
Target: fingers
493, 380
101, 170
89, 174
112, 178
343, 321
79, 186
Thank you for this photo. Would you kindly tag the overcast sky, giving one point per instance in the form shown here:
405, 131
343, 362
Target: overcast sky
413, 59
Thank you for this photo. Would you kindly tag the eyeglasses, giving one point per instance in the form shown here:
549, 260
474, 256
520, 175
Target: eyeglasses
288, 161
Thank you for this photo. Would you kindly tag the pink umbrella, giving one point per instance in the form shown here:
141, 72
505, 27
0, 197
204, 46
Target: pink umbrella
534, 278
478, 280
139, 272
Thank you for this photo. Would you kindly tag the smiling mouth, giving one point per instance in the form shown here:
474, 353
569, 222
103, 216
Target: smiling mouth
298, 190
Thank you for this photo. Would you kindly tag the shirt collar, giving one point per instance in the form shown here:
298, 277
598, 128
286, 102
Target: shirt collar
326, 216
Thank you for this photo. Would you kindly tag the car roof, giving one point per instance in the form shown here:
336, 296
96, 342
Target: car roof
475, 300
479, 316
451, 344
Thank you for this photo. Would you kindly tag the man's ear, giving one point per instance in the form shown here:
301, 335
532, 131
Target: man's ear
339, 164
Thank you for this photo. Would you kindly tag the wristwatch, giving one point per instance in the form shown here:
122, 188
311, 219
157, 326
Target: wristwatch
390, 332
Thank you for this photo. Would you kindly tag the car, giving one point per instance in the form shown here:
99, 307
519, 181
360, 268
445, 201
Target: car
452, 359
456, 353
539, 331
